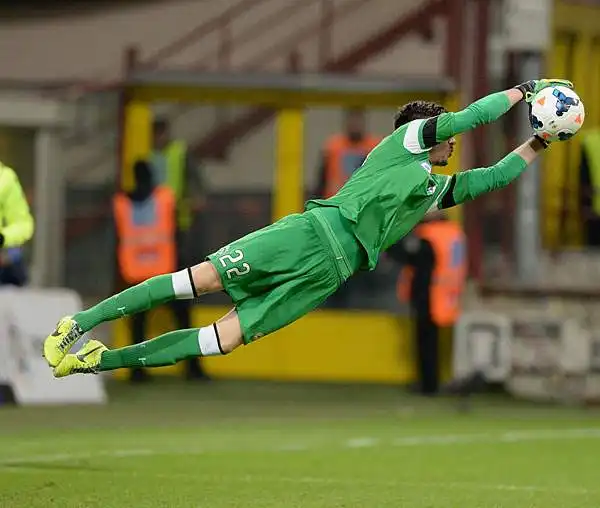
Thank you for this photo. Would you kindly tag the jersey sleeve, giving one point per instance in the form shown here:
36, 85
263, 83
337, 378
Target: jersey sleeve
441, 128
413, 140
468, 185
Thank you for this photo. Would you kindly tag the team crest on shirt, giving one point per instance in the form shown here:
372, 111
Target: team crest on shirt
426, 166
431, 186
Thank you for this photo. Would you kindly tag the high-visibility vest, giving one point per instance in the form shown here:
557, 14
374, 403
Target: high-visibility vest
16, 221
591, 145
343, 157
170, 165
146, 233
449, 274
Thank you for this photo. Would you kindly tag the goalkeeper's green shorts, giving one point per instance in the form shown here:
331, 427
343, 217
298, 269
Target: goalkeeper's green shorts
279, 273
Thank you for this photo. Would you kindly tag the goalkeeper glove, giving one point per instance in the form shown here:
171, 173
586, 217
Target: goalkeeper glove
530, 88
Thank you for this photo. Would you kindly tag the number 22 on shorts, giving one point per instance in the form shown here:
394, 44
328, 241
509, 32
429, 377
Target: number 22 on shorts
231, 259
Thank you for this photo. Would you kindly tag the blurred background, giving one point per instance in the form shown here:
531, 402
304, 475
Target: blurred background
247, 108
243, 109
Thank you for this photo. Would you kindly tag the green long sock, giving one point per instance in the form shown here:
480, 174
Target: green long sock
166, 349
144, 296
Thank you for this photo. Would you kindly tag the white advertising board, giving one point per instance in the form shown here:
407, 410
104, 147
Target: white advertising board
482, 344
27, 316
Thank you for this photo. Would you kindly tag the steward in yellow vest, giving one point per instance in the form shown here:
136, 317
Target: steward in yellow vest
16, 228
172, 167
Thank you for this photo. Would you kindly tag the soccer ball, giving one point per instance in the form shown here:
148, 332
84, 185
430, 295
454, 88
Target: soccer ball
557, 113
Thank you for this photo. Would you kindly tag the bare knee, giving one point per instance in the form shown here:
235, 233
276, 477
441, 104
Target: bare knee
228, 344
206, 278
230, 332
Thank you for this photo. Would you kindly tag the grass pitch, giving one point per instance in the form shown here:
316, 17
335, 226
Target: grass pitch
235, 444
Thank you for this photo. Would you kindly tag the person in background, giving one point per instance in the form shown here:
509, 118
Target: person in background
589, 171
145, 220
16, 228
342, 155
431, 282
174, 167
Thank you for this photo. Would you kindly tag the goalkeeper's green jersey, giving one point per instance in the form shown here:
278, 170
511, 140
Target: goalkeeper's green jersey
395, 187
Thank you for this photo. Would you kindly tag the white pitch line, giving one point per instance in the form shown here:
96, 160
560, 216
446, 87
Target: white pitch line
505, 437
360, 442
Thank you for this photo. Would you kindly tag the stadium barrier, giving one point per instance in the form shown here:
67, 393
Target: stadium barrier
536, 356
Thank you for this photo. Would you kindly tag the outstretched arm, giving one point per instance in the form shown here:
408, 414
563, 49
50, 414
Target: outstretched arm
484, 111
424, 134
468, 185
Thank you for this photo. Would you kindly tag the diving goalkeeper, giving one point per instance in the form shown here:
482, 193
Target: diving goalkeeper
280, 273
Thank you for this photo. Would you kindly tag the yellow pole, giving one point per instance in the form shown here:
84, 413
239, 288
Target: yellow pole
581, 60
592, 100
136, 139
555, 161
288, 188
137, 120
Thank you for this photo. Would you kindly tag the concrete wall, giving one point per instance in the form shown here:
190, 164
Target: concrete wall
251, 163
90, 44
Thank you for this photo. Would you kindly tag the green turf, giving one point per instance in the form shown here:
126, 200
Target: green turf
261, 445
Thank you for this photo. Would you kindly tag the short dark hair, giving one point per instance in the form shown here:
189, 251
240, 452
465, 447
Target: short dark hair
417, 110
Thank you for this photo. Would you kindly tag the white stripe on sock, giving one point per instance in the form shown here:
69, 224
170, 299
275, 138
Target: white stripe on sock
182, 286
209, 344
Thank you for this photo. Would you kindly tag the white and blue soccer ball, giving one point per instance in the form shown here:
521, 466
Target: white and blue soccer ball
557, 113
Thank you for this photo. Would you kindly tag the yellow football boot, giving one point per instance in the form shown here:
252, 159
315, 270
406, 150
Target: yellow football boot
57, 345
85, 361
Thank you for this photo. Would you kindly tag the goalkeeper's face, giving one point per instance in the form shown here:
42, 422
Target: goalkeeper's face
440, 153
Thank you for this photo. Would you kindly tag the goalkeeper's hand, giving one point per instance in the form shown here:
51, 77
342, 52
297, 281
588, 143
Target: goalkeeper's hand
530, 88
